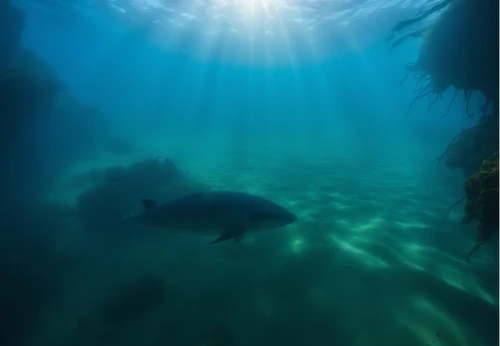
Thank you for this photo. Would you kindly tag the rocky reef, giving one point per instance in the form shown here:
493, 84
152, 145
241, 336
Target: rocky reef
31, 265
460, 50
42, 244
43, 127
121, 189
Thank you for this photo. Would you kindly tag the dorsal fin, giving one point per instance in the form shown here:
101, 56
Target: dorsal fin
149, 203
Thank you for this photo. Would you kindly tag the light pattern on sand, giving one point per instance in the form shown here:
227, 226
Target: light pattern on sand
370, 252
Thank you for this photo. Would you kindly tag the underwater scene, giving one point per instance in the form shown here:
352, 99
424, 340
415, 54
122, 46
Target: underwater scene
249, 173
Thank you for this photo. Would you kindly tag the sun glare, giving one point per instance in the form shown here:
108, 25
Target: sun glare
254, 6
252, 13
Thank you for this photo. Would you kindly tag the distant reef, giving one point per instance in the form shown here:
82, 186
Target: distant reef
43, 127
123, 188
11, 27
460, 51
22, 94
43, 130
42, 245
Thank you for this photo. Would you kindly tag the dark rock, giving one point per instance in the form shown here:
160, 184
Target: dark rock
134, 299
11, 27
31, 268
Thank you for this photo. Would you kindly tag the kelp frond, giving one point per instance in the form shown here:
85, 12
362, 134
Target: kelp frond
421, 16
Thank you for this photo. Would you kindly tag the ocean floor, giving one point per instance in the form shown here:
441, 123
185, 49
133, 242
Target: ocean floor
372, 260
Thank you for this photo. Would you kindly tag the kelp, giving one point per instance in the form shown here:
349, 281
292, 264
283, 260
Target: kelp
424, 14
482, 201
468, 149
460, 49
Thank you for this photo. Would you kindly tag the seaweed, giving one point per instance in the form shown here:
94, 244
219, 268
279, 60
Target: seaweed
454, 205
468, 149
460, 49
482, 201
424, 14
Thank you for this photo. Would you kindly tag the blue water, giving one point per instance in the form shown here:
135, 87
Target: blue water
295, 101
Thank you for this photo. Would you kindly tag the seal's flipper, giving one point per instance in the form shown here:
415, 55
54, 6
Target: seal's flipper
231, 233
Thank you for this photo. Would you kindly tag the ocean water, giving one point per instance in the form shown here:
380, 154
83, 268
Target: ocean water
299, 102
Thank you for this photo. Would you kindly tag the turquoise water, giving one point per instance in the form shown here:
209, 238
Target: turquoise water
295, 101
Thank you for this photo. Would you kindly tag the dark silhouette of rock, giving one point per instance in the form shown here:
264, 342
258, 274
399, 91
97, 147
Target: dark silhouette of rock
11, 27
30, 267
134, 299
